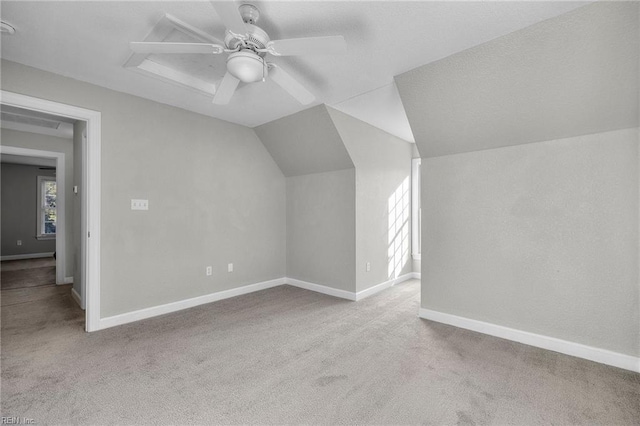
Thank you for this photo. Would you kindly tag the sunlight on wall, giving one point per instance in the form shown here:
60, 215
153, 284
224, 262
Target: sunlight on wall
399, 229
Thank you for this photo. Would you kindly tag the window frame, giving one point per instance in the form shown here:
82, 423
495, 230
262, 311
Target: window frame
416, 210
41, 235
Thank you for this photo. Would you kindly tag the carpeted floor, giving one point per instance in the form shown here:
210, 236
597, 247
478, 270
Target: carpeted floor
287, 355
27, 273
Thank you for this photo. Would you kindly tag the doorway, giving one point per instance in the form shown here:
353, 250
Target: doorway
89, 192
29, 164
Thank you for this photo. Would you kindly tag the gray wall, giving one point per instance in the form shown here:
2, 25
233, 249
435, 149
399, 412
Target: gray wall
79, 128
51, 143
383, 170
338, 215
321, 197
321, 228
572, 75
305, 142
20, 210
215, 196
540, 237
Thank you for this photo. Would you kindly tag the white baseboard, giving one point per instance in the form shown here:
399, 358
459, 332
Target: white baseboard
349, 295
145, 313
68, 280
579, 350
416, 275
343, 294
185, 304
76, 297
26, 256
382, 286
375, 289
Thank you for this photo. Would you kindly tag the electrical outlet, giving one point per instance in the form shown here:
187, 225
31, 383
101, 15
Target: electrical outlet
19, 242
209, 270
139, 204
368, 266
230, 267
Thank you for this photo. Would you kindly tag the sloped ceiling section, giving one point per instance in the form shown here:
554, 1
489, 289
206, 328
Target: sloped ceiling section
570, 75
381, 108
367, 145
305, 142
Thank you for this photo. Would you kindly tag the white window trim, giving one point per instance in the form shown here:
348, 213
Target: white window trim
416, 210
41, 235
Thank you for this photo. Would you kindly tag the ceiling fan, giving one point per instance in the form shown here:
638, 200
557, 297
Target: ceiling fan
247, 46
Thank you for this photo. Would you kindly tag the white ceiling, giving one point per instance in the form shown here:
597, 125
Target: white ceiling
27, 161
88, 41
35, 122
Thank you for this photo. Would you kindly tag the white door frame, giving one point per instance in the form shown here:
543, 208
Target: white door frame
90, 191
61, 231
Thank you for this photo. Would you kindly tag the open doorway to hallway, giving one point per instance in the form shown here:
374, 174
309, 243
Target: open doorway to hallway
38, 224
42, 165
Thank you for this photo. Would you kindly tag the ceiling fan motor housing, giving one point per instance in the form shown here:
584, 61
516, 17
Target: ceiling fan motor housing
256, 38
248, 65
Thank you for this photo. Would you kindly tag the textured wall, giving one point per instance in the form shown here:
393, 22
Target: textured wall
215, 196
51, 143
79, 128
383, 200
20, 210
321, 228
572, 75
305, 142
540, 237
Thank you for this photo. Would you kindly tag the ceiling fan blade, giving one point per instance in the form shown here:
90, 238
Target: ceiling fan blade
228, 12
290, 84
225, 89
331, 45
164, 47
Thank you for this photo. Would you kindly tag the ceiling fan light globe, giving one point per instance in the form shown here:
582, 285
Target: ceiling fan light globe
247, 67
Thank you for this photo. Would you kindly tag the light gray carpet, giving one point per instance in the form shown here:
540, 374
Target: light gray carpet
288, 355
27, 273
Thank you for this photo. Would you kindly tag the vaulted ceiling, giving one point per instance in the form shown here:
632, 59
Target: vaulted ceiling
88, 41
572, 75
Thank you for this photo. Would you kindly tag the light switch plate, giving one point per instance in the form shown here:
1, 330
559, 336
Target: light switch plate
139, 204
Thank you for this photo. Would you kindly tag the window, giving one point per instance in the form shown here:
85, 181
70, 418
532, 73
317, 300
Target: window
416, 210
399, 213
47, 195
